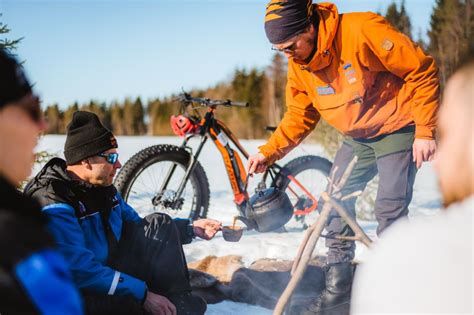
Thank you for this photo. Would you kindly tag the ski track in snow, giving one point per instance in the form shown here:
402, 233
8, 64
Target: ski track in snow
253, 245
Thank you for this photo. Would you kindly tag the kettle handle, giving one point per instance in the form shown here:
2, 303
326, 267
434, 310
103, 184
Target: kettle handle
246, 182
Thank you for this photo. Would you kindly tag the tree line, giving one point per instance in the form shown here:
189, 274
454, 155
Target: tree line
263, 89
449, 42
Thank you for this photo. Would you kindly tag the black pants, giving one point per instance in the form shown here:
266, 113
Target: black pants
149, 250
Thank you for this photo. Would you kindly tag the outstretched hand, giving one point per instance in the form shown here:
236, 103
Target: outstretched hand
206, 228
423, 151
256, 164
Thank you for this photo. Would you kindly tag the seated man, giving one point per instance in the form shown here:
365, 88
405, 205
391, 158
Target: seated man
118, 260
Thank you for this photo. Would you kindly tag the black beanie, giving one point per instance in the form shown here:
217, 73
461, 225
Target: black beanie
86, 137
13, 82
286, 18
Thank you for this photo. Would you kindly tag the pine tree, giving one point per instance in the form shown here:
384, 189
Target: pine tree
159, 112
67, 116
138, 123
399, 19
452, 28
116, 119
128, 117
404, 25
6, 43
55, 119
258, 119
152, 109
248, 87
420, 41
276, 84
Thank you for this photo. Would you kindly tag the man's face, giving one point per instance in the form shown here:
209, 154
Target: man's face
102, 172
300, 47
454, 162
20, 126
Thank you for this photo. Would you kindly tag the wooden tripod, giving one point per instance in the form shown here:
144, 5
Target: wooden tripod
332, 199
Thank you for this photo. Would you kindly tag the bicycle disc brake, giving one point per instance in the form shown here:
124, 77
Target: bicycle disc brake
167, 199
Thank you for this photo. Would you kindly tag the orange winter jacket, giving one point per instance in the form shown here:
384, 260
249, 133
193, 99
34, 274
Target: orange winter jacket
366, 79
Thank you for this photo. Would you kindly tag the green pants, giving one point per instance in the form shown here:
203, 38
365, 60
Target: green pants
391, 156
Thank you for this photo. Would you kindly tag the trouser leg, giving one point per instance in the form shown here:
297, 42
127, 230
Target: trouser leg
111, 305
151, 250
168, 274
396, 177
365, 169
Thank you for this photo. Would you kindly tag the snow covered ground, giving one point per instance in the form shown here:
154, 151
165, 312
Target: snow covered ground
426, 201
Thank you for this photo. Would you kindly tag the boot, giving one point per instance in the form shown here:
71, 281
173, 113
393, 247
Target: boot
335, 298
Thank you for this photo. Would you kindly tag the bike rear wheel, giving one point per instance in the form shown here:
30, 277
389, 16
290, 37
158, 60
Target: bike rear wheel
140, 181
312, 172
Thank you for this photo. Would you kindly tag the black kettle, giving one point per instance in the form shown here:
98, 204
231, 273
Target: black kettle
267, 210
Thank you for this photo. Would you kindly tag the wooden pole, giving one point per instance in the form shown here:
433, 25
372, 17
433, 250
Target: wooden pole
312, 235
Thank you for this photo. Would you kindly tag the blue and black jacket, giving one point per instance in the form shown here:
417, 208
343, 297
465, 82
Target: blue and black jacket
34, 277
81, 219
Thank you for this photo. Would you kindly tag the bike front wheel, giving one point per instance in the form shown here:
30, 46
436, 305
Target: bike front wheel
141, 183
311, 172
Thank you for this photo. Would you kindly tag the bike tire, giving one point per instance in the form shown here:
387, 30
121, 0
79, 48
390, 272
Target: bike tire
146, 160
317, 168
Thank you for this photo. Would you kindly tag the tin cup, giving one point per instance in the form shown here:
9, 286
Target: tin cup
232, 233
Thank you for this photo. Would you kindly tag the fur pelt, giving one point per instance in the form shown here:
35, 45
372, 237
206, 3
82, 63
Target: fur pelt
260, 284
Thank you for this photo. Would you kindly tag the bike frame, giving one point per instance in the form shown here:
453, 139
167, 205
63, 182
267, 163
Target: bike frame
220, 134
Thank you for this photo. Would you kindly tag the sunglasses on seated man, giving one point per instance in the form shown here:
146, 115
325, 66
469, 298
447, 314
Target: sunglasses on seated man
110, 157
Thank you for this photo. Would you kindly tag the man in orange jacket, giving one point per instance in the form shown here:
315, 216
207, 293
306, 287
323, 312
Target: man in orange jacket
374, 85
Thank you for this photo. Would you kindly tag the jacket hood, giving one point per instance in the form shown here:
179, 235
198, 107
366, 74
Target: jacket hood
53, 171
327, 29
53, 184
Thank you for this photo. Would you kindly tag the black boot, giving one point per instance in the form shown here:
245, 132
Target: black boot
335, 298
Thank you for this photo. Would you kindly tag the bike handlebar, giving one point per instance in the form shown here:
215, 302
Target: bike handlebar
186, 98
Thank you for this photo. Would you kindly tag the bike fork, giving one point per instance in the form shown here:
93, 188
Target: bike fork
189, 170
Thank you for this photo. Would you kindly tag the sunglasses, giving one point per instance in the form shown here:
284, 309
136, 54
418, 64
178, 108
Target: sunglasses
110, 157
31, 106
287, 50
291, 48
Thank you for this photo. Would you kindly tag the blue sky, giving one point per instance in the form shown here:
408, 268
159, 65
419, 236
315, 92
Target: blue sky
109, 50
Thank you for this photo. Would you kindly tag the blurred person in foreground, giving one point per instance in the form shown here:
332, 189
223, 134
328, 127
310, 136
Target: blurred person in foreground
34, 277
430, 262
375, 86
122, 263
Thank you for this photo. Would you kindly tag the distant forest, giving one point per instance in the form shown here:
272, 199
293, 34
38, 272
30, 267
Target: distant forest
450, 41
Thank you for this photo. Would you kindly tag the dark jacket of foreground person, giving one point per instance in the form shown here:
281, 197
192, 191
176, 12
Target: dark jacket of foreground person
28, 261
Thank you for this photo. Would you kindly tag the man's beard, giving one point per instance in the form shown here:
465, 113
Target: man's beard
452, 195
315, 48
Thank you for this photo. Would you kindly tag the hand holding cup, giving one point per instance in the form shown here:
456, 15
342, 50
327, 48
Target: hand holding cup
206, 228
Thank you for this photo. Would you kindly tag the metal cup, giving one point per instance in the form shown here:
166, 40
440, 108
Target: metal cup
232, 233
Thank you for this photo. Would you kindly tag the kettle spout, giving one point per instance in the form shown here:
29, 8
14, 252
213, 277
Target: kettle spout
251, 224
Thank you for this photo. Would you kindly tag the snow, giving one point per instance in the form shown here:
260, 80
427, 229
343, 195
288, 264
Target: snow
253, 245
